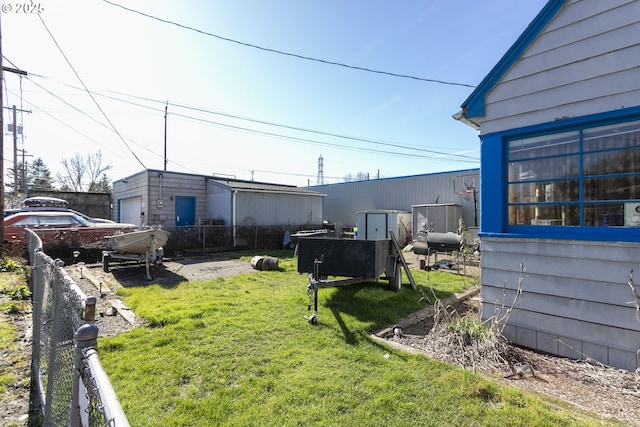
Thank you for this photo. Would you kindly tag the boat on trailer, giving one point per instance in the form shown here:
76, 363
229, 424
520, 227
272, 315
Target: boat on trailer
145, 244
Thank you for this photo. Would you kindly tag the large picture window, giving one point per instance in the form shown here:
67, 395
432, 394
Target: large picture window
585, 177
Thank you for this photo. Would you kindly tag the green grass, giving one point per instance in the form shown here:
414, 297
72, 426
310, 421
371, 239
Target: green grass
7, 346
239, 352
14, 297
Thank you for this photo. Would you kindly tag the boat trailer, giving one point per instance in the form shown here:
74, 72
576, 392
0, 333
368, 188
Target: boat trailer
145, 244
357, 261
152, 260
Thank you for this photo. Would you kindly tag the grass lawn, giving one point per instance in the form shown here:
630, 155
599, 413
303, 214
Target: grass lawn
15, 357
239, 352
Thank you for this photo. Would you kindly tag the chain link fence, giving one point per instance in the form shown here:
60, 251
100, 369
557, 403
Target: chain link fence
71, 385
205, 237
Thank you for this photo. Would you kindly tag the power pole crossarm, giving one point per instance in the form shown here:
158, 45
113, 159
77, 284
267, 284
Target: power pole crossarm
14, 71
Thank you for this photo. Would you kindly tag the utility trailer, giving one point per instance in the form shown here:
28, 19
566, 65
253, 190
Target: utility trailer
349, 261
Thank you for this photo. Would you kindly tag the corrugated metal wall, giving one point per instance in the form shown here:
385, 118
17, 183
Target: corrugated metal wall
219, 202
344, 200
277, 209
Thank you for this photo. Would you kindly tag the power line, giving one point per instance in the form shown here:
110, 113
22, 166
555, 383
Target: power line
280, 52
263, 122
87, 90
242, 129
96, 121
326, 144
442, 155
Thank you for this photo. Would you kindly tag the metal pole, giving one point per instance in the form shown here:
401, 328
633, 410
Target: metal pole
1, 148
15, 153
166, 107
110, 408
86, 337
37, 282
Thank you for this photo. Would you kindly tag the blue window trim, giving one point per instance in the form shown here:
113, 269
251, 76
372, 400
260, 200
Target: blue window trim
494, 192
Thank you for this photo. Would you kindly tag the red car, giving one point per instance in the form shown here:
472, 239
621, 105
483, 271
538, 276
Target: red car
64, 228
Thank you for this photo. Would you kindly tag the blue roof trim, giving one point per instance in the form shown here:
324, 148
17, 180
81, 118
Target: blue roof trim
475, 103
473, 170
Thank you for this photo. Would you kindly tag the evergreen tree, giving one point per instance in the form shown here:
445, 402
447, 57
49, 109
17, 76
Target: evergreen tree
39, 176
102, 186
34, 176
10, 178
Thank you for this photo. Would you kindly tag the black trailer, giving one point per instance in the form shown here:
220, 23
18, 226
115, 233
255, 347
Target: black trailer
349, 261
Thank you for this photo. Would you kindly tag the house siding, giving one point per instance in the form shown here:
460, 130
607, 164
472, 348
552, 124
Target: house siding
575, 67
584, 62
576, 298
164, 187
157, 191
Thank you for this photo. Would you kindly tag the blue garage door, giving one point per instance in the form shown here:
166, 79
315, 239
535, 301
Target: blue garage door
185, 211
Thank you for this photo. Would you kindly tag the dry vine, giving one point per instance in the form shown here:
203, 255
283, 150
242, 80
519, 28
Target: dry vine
465, 340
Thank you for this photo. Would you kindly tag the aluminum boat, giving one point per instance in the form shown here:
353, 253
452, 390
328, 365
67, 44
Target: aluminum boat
138, 242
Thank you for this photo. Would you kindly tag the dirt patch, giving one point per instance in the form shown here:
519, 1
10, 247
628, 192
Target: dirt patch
610, 393
112, 316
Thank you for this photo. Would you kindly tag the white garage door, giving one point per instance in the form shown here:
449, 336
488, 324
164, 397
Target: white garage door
130, 210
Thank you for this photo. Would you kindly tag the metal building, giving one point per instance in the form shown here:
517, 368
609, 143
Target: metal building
176, 199
344, 200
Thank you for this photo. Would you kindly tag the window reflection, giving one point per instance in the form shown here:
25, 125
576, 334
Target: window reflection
553, 178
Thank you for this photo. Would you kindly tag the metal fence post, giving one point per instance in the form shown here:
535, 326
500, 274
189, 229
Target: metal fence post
37, 285
112, 412
86, 337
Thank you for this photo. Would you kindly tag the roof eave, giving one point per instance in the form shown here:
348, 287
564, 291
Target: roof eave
474, 105
461, 117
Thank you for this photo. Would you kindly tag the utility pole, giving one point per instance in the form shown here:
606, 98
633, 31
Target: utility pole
1, 151
2, 68
15, 154
15, 129
25, 187
166, 107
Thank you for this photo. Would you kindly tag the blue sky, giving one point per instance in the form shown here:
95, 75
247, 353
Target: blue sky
236, 109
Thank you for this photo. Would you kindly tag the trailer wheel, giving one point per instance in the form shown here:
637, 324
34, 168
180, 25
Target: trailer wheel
395, 282
313, 319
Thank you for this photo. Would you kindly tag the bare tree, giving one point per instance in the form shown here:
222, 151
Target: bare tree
360, 176
82, 173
